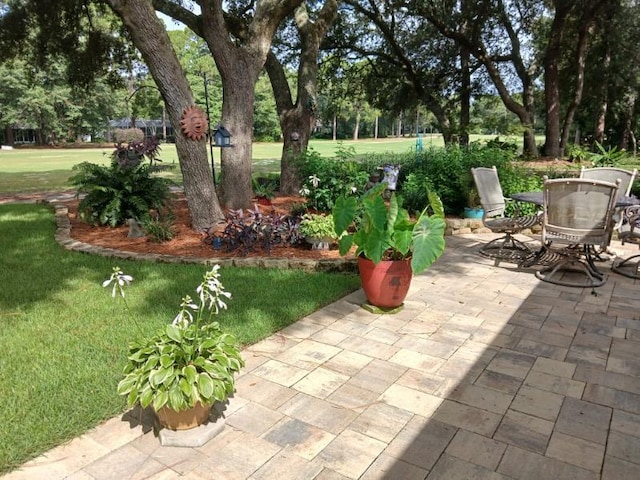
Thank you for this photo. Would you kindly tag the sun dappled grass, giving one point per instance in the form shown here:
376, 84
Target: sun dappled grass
64, 337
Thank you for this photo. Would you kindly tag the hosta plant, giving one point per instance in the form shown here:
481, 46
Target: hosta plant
317, 225
189, 361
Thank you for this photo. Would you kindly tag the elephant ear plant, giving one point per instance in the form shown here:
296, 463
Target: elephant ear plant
386, 231
190, 360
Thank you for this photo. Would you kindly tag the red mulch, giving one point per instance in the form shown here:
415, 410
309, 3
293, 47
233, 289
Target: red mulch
187, 242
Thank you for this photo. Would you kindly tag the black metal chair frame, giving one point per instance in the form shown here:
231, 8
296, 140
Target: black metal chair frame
629, 233
494, 204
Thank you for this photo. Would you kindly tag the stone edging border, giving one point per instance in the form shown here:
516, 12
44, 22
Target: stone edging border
455, 226
63, 237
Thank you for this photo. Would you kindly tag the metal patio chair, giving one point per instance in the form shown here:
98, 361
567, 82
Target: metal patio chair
629, 233
576, 221
611, 174
494, 204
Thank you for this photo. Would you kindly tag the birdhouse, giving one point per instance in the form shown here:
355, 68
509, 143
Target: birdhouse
221, 137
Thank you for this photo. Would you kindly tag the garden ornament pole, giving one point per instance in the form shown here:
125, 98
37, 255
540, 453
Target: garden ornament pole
206, 103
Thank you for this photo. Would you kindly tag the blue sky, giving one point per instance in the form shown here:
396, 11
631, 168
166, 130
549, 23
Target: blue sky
170, 23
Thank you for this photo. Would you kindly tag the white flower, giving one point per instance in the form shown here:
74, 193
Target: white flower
210, 294
354, 189
304, 191
119, 280
314, 180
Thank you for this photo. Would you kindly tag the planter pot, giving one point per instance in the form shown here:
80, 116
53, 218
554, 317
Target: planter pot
471, 212
319, 243
386, 284
185, 419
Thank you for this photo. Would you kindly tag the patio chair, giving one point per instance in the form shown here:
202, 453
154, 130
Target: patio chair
494, 203
629, 233
611, 174
576, 220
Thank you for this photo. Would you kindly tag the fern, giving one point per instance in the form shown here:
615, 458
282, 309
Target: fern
114, 193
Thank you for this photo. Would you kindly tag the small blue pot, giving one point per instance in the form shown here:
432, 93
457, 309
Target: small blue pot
470, 212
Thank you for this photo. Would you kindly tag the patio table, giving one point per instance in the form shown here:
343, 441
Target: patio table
537, 199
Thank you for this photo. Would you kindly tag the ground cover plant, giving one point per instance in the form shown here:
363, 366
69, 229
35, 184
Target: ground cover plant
64, 339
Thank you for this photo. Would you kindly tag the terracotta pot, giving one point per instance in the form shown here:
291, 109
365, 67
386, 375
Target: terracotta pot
185, 419
386, 284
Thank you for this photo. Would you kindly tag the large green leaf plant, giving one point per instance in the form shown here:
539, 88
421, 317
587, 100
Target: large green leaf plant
188, 361
383, 230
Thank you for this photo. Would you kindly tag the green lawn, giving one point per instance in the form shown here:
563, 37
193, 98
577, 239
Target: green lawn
42, 169
64, 337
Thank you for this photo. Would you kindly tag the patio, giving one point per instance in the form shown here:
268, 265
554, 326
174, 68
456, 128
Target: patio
487, 373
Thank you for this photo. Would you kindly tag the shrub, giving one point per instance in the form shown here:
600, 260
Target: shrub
251, 230
324, 180
577, 153
606, 157
415, 190
449, 170
117, 192
315, 225
159, 229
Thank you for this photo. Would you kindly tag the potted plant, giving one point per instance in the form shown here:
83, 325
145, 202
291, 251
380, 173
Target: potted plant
264, 190
474, 207
189, 364
317, 229
390, 245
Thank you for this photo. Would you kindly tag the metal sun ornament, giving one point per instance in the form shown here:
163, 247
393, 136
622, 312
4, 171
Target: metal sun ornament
194, 123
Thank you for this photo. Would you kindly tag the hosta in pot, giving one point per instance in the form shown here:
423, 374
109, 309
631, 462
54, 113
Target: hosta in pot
190, 362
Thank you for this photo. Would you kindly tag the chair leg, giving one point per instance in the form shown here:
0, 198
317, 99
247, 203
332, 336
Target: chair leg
506, 248
594, 278
629, 267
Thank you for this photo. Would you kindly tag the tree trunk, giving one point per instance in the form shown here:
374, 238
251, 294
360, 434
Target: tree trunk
296, 129
296, 120
465, 97
551, 82
627, 122
237, 117
334, 126
581, 51
150, 37
9, 138
375, 127
600, 121
525, 110
356, 128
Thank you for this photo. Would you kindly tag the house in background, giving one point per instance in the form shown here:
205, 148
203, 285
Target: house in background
151, 128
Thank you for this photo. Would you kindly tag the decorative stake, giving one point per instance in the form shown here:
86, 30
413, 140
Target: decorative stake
194, 123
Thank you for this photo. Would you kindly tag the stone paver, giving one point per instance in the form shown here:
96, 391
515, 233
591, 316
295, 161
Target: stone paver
487, 373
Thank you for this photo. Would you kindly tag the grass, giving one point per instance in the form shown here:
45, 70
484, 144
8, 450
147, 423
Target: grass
64, 337
43, 169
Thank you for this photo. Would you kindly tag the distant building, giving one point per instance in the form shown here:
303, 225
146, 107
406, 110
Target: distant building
151, 128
